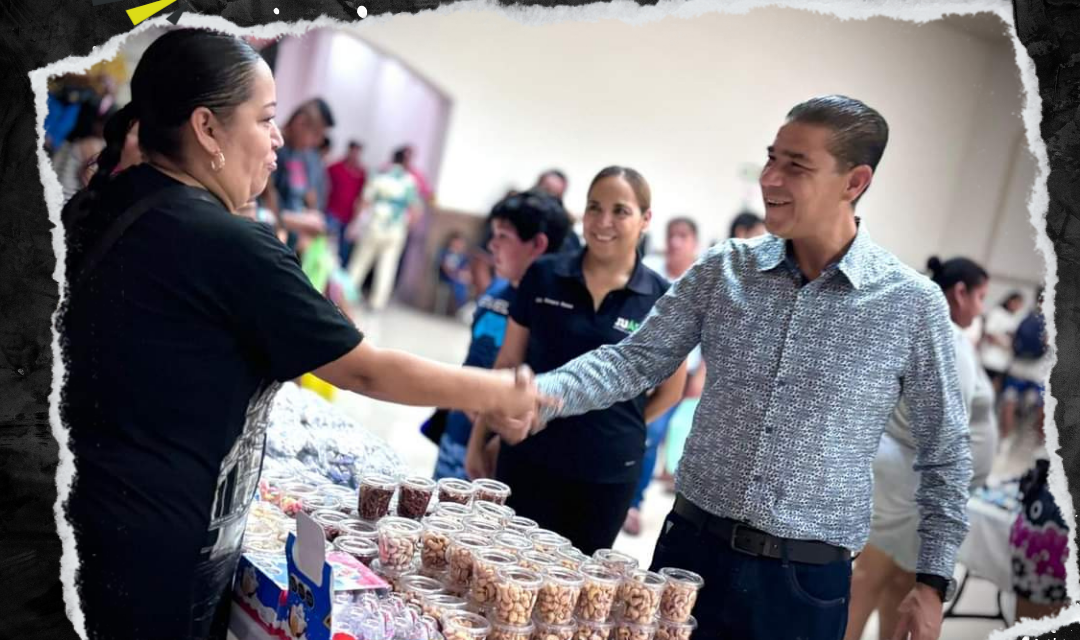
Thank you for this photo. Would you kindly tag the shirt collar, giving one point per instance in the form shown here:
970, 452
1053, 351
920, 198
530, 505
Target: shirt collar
570, 266
855, 264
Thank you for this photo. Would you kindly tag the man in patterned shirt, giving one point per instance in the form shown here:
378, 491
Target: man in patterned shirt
809, 334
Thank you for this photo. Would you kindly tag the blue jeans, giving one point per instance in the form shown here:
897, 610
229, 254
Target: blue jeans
336, 229
755, 598
654, 435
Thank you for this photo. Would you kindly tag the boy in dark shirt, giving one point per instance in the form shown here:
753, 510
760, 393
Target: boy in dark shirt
523, 227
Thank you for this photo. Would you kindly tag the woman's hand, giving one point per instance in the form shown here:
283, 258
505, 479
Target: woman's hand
517, 412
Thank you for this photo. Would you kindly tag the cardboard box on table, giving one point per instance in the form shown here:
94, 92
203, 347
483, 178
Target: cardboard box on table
290, 596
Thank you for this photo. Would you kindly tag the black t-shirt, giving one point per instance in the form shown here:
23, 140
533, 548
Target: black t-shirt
555, 305
191, 317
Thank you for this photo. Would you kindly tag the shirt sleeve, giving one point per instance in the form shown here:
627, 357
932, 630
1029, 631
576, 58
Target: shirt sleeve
939, 426
287, 325
641, 361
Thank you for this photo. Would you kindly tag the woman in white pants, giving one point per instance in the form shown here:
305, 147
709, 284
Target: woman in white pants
390, 205
884, 572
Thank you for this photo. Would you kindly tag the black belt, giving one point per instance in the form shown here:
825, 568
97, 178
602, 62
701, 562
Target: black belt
746, 539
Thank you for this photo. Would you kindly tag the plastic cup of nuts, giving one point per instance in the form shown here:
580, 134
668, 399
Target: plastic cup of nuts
597, 592
392, 577
672, 630
587, 630
452, 510
522, 525
680, 594
359, 528
488, 490
414, 496
616, 560
345, 495
319, 502
435, 542
548, 541
439, 604
536, 560
494, 512
558, 595
464, 625
481, 526
625, 630
639, 597
292, 496
398, 542
415, 588
463, 549
363, 549
330, 520
511, 542
456, 490
486, 566
376, 491
571, 557
516, 590
511, 632
554, 631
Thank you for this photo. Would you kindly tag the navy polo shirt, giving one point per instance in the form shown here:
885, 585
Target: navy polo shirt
555, 305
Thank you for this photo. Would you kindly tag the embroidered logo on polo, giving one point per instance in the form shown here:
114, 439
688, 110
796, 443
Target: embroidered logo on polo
627, 326
554, 303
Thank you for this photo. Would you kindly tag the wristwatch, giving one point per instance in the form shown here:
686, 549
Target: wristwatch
945, 587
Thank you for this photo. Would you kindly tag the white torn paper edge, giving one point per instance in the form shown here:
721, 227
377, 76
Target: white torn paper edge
631, 13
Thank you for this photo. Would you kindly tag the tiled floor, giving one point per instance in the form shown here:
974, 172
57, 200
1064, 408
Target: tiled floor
446, 340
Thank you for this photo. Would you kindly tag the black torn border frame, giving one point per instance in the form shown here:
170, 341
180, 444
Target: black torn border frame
35, 33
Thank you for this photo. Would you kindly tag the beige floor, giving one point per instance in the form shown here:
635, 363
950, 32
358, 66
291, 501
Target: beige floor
446, 340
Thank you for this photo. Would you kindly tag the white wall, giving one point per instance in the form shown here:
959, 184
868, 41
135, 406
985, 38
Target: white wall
688, 101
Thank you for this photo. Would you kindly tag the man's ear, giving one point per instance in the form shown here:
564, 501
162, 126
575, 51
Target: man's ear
858, 180
541, 244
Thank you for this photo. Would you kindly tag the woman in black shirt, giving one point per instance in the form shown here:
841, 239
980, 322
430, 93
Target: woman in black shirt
180, 320
578, 475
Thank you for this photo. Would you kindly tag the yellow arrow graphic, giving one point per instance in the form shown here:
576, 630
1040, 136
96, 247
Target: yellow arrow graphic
138, 14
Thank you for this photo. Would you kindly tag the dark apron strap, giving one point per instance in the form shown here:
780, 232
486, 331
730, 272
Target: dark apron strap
128, 217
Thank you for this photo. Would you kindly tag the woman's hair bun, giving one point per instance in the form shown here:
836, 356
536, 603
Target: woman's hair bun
934, 265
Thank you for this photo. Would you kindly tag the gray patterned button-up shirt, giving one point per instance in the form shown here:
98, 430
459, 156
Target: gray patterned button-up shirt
802, 379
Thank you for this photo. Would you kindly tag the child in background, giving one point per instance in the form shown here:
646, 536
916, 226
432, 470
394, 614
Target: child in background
454, 268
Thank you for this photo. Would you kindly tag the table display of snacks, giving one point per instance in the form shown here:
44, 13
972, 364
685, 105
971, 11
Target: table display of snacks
466, 567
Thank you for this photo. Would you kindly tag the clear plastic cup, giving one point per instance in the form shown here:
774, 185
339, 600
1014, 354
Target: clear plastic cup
481, 526
464, 625
674, 630
265, 542
330, 520
536, 560
393, 577
559, 595
680, 594
516, 590
414, 496
587, 630
511, 542
548, 541
625, 630
399, 539
292, 496
365, 550
616, 561
376, 491
360, 528
460, 563
597, 593
511, 632
435, 542
345, 495
522, 525
415, 588
639, 596
452, 510
489, 490
553, 631
266, 511
486, 565
319, 502
455, 490
571, 557
438, 605
494, 512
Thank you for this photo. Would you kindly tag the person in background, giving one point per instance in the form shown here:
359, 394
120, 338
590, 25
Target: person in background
747, 225
347, 178
178, 328
885, 571
809, 334
389, 207
567, 305
1025, 382
295, 191
454, 268
423, 187
552, 182
324, 150
681, 253
524, 227
74, 159
997, 338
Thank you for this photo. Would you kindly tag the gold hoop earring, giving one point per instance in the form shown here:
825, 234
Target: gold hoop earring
218, 163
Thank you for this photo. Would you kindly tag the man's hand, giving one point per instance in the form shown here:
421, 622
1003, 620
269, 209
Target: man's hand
920, 615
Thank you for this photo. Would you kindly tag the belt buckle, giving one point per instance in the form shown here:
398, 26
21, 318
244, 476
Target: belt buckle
755, 550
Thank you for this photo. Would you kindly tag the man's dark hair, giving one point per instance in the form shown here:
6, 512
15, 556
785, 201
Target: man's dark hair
683, 220
1013, 295
326, 144
400, 154
745, 220
552, 172
353, 144
859, 133
319, 105
533, 212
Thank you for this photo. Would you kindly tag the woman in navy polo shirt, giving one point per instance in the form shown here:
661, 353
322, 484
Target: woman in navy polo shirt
578, 475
